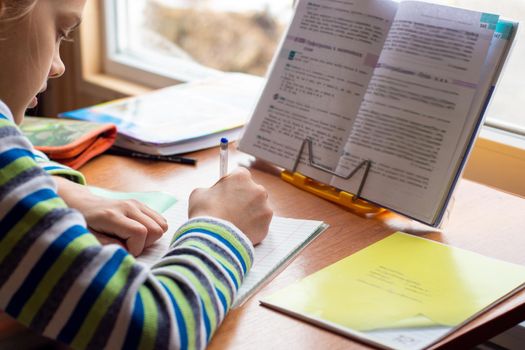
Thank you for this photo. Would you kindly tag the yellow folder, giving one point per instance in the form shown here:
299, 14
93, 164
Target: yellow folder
400, 282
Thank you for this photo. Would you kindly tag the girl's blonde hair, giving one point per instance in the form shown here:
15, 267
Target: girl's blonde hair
12, 10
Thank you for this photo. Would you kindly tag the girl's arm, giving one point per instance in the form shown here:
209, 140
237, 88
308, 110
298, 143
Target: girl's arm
57, 169
128, 223
58, 280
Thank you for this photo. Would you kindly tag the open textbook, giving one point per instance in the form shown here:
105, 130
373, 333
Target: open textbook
402, 84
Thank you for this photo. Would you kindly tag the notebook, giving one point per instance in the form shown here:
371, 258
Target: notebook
403, 292
179, 119
287, 237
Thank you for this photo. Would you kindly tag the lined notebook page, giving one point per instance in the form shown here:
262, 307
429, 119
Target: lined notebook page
287, 237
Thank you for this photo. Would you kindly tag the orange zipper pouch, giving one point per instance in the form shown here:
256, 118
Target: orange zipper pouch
70, 142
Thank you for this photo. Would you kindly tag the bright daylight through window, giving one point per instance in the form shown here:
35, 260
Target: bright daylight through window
187, 39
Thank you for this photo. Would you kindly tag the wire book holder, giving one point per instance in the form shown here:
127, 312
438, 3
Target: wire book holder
349, 200
365, 163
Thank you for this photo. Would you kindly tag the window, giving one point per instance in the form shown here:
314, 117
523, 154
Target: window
160, 42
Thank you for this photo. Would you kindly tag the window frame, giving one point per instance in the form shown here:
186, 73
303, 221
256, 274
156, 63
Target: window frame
128, 66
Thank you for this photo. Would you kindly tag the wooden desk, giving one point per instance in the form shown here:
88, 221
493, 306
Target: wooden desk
483, 220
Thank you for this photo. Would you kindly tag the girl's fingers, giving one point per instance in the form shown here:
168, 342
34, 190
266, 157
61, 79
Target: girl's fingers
158, 218
154, 230
126, 229
132, 222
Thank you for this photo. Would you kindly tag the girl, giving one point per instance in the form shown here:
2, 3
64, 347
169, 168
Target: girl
55, 277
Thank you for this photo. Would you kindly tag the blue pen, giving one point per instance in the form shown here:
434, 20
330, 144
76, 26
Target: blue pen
223, 157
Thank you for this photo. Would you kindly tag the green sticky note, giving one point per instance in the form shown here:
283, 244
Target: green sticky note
158, 201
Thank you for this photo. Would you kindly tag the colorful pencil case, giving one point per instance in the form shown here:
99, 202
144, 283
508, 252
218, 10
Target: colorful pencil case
70, 142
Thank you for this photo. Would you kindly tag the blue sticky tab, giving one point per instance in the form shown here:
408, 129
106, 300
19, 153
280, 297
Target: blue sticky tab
489, 18
504, 29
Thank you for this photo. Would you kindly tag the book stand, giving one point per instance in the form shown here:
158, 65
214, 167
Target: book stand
353, 202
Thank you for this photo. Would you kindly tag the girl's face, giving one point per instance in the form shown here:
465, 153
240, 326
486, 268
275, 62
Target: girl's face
29, 50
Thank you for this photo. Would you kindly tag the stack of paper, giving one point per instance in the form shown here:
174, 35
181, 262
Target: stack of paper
181, 118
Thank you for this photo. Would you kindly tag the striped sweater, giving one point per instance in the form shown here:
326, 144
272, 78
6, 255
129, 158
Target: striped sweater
58, 280
57, 169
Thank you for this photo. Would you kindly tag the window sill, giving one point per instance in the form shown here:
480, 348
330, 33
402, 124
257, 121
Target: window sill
513, 141
104, 85
165, 72
498, 160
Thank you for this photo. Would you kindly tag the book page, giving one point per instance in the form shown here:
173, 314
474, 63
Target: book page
496, 57
287, 237
415, 109
317, 81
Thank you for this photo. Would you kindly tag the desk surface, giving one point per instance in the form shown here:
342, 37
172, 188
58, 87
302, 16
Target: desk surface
483, 220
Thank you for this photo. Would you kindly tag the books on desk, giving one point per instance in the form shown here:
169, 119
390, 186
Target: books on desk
403, 292
182, 118
402, 84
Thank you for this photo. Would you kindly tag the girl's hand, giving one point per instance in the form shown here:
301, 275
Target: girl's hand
129, 223
237, 199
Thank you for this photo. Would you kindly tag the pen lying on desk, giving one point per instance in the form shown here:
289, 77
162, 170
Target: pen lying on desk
133, 154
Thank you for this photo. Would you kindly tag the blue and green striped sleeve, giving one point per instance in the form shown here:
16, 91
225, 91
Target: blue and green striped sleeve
58, 169
58, 280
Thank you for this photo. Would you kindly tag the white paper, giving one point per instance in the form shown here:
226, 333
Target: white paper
182, 112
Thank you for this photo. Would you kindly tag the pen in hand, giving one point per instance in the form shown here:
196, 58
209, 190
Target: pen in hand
223, 157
